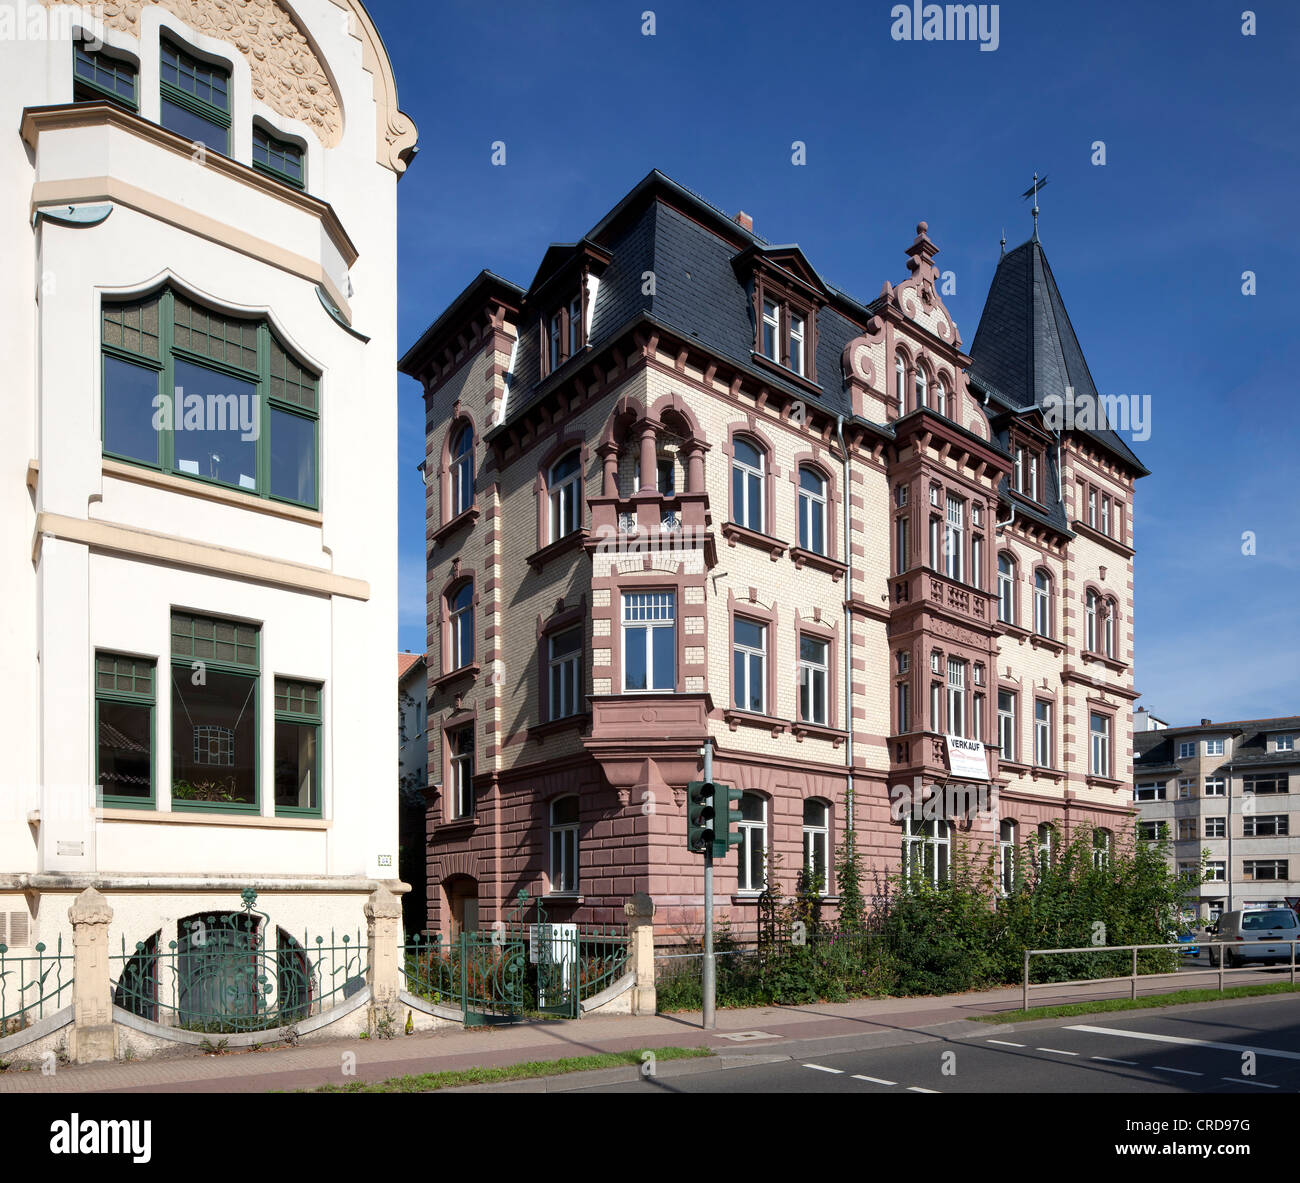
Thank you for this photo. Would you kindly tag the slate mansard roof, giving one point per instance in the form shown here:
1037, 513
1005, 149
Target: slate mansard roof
1024, 348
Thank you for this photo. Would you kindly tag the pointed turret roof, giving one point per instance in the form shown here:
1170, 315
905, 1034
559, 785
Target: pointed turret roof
1025, 347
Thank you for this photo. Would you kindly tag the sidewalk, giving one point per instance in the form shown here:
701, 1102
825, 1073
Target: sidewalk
758, 1030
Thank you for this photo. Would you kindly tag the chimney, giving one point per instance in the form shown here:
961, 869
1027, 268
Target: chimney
1205, 722
743, 219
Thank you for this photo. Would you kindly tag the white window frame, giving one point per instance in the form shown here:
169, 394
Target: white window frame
564, 878
1043, 604
460, 630
461, 773
752, 478
1043, 733
747, 830
954, 539
462, 472
797, 343
1284, 743
1099, 744
1185, 784
1214, 747
1006, 590
932, 841
558, 708
940, 398
565, 499
1215, 786
660, 612
818, 835
772, 320
921, 385
956, 697
1216, 826
1149, 790
1007, 727
1090, 621
749, 653
1108, 629
812, 505
1007, 857
810, 673
900, 383
1187, 751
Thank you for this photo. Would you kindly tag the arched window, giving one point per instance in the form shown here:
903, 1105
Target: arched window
921, 384
900, 383
564, 487
747, 473
564, 845
812, 510
752, 851
1007, 857
1006, 589
1046, 846
940, 397
460, 615
1090, 621
817, 844
462, 470
1109, 609
926, 847
1042, 603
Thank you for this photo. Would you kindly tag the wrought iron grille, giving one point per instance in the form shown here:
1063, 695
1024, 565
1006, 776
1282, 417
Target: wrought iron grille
32, 987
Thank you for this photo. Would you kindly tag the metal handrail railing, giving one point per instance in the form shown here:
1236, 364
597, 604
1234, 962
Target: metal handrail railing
1222, 968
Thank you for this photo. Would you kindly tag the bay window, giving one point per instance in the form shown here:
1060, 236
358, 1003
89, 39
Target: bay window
649, 641
954, 544
956, 697
208, 396
98, 76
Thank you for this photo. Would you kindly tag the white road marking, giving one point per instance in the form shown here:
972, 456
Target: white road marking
1108, 1060
1056, 1051
1188, 1042
1259, 1084
913, 1088
1180, 1071
822, 1068
874, 1079
1004, 1042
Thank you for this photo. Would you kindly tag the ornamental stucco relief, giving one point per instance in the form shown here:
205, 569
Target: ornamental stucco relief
287, 75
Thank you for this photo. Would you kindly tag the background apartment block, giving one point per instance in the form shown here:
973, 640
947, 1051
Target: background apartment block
1230, 789
199, 199
682, 490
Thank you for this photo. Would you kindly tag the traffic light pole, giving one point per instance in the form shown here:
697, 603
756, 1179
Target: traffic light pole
710, 978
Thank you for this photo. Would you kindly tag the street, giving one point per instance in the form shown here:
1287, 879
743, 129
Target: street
1232, 1048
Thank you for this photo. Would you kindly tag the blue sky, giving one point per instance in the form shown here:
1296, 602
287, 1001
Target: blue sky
1199, 185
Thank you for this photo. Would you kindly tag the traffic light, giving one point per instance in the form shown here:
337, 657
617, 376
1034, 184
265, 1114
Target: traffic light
725, 818
699, 816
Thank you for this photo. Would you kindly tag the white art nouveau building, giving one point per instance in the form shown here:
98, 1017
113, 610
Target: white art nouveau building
198, 470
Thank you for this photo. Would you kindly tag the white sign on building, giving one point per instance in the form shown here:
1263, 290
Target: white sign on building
966, 758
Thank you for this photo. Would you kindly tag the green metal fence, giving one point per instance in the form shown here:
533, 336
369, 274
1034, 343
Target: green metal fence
232, 972
32, 987
521, 965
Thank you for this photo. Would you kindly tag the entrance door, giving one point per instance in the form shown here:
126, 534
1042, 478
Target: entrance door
462, 893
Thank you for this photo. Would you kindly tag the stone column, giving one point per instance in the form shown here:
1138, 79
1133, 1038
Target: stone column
640, 910
694, 467
649, 460
383, 932
609, 459
93, 1035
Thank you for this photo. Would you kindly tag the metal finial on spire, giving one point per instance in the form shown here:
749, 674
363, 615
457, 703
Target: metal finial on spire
1003, 244
1032, 191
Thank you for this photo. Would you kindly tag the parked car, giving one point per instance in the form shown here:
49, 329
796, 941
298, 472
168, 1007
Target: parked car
1188, 939
1262, 935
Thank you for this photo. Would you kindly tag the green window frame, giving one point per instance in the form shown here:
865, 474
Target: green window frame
143, 342
203, 649
124, 684
196, 88
278, 158
297, 737
99, 76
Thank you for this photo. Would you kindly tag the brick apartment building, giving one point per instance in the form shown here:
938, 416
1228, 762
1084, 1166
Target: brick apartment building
1230, 789
681, 490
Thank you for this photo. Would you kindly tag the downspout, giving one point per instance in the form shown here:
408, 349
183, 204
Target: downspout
848, 620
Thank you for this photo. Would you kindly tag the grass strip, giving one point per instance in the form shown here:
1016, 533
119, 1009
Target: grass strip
429, 1082
1147, 1001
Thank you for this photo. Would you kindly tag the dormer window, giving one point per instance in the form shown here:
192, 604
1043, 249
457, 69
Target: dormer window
281, 159
1025, 472
771, 329
564, 333
98, 76
195, 98
786, 333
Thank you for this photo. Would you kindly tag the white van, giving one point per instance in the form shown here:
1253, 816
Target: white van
1263, 935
